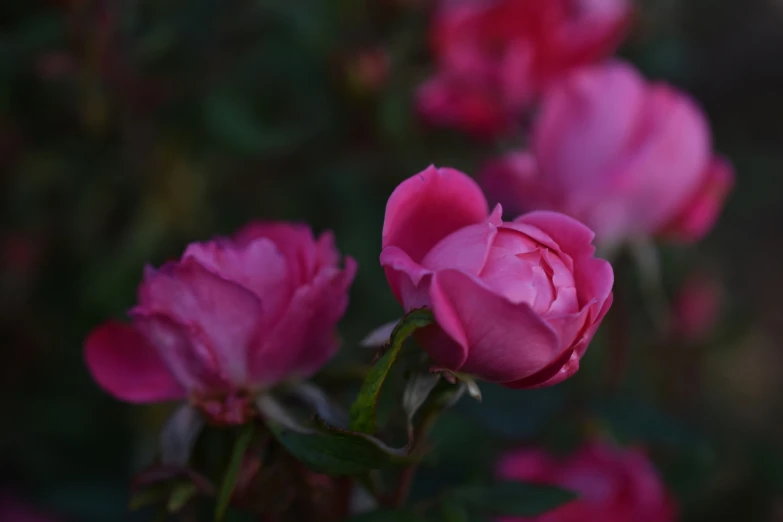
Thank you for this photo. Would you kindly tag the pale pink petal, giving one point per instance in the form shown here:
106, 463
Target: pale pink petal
128, 367
424, 209
505, 341
258, 265
668, 166
570, 235
535, 234
295, 241
186, 351
224, 314
511, 275
466, 249
587, 121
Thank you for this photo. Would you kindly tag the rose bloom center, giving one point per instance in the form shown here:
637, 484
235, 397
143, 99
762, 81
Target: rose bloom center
516, 267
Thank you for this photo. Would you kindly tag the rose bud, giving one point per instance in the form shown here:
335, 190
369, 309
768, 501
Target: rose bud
493, 59
613, 484
515, 302
232, 317
627, 157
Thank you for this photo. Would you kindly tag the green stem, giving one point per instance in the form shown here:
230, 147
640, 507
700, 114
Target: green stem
408, 473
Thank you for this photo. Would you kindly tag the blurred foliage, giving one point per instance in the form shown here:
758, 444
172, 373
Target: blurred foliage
128, 129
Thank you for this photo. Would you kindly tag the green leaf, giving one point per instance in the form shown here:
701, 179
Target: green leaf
336, 452
363, 410
388, 515
180, 496
146, 498
227, 488
512, 498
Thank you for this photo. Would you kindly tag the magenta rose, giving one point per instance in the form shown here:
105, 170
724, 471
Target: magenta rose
614, 484
515, 302
626, 157
232, 317
493, 59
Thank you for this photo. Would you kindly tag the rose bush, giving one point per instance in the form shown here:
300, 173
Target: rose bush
515, 302
626, 157
231, 317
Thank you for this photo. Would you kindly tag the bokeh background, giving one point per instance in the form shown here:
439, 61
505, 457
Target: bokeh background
130, 128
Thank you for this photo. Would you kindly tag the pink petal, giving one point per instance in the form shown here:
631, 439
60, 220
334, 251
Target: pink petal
570, 235
563, 368
511, 275
699, 214
186, 351
124, 364
594, 280
586, 123
581, 346
404, 277
224, 314
466, 249
429, 206
530, 231
256, 265
305, 338
294, 241
667, 167
504, 341
326, 251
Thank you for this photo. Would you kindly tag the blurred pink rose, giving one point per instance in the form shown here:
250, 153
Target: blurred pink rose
626, 157
494, 57
231, 317
12, 509
614, 484
697, 307
515, 302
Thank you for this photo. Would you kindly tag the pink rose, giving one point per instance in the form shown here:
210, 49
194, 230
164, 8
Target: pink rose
494, 58
515, 302
233, 316
614, 484
626, 157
